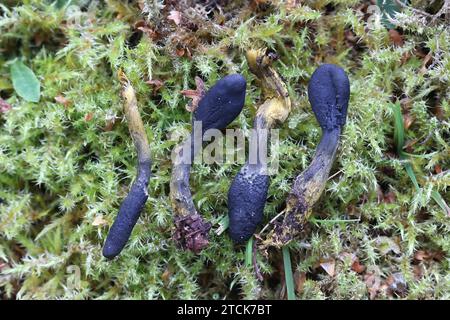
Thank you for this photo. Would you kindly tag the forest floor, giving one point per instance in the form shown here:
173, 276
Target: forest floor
381, 227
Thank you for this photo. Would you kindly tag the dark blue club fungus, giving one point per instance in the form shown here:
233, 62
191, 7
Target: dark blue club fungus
248, 191
132, 205
329, 92
216, 109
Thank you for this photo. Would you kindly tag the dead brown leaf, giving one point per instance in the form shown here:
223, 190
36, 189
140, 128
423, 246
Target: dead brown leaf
99, 221
88, 116
147, 30
437, 169
408, 119
373, 282
329, 266
63, 100
421, 255
358, 267
180, 52
396, 38
426, 255
353, 260
157, 84
299, 278
438, 111
196, 95
175, 16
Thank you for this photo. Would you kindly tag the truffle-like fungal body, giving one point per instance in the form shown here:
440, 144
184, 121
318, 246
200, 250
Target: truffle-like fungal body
217, 109
132, 205
329, 93
248, 191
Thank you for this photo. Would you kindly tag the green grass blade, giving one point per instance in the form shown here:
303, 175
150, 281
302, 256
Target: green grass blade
249, 253
223, 225
399, 130
419, 156
411, 175
289, 278
399, 137
440, 201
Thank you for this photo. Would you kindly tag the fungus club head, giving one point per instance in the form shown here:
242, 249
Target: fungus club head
222, 103
246, 200
329, 92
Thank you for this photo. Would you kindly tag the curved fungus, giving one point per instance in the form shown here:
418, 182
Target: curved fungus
134, 202
216, 109
248, 191
329, 93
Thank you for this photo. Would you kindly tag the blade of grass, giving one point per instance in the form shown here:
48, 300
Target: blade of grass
399, 137
440, 201
411, 175
420, 156
223, 225
399, 131
288, 276
249, 253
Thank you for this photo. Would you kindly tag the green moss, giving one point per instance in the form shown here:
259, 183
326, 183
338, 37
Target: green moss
63, 173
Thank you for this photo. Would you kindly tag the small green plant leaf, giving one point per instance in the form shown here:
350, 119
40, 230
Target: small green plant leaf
289, 278
441, 202
412, 176
25, 82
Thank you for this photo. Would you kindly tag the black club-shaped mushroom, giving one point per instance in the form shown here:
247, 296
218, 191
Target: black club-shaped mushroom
217, 108
132, 205
329, 93
248, 191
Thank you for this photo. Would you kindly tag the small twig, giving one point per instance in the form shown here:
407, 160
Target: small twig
271, 222
334, 175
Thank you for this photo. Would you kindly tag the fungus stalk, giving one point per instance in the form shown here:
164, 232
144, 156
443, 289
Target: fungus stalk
134, 202
329, 93
191, 229
216, 109
248, 191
